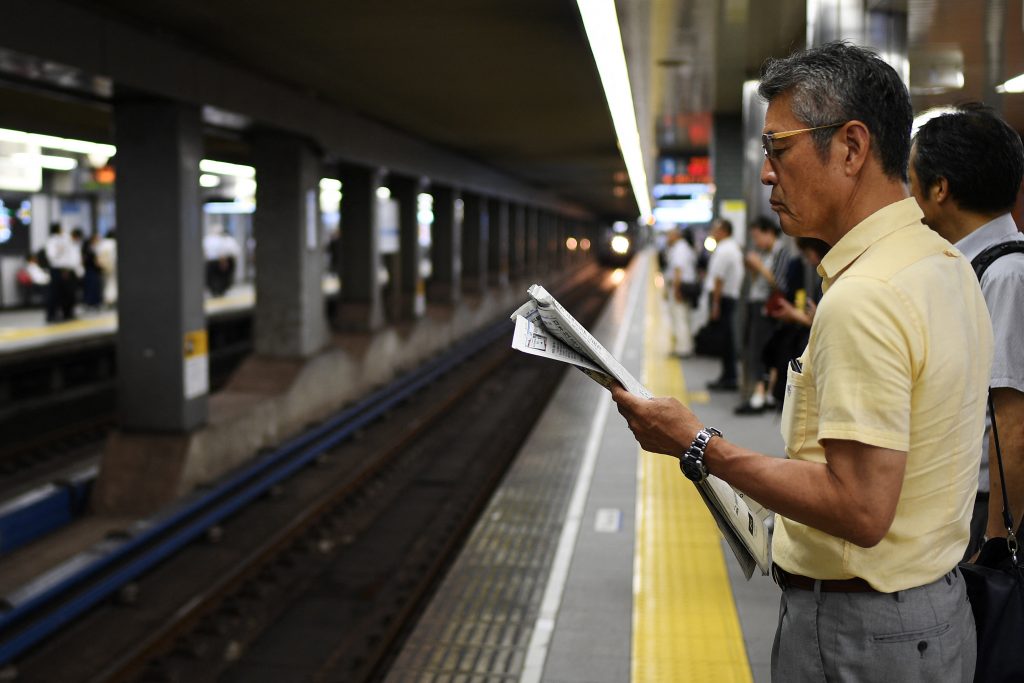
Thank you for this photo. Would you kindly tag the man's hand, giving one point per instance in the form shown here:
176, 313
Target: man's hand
660, 425
754, 262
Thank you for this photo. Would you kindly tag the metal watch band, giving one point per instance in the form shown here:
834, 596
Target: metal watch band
692, 461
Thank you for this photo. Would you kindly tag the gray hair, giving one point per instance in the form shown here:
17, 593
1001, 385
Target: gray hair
840, 82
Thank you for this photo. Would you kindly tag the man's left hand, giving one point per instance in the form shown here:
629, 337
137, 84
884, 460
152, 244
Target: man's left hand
660, 425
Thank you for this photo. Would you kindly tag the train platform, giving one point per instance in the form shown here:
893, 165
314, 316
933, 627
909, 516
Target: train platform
24, 329
598, 562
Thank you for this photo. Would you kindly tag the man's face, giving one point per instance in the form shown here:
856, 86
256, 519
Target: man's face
803, 186
763, 240
929, 207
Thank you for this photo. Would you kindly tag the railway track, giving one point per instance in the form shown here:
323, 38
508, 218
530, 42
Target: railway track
314, 567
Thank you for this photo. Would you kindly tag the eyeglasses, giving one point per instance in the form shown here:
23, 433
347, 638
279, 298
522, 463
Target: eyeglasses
768, 139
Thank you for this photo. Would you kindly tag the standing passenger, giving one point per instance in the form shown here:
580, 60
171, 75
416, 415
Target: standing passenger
885, 408
681, 269
723, 282
965, 171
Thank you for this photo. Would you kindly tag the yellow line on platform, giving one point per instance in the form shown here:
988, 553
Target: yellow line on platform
685, 626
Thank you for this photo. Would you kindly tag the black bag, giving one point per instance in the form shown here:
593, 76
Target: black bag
995, 587
710, 339
690, 292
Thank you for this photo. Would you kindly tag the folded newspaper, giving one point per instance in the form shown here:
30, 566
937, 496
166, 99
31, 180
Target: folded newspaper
544, 328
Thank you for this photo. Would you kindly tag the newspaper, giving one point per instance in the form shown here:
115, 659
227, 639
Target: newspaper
544, 328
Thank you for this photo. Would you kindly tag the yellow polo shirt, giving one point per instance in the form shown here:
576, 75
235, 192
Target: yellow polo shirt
898, 357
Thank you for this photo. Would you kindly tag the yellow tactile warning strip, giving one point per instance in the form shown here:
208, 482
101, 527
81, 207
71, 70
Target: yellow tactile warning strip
108, 321
685, 626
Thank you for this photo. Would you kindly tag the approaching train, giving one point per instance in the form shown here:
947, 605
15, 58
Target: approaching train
618, 242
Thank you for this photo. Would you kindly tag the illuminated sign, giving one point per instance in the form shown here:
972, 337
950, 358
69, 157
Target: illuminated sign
675, 170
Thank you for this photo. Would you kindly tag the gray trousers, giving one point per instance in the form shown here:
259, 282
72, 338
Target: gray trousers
921, 634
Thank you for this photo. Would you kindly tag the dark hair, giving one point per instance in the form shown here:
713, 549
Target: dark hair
839, 82
55, 228
725, 224
819, 247
687, 235
765, 224
977, 153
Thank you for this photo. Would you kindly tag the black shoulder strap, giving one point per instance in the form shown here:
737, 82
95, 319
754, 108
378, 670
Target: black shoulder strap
982, 261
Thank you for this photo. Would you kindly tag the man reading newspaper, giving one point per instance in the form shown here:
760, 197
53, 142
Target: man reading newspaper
884, 410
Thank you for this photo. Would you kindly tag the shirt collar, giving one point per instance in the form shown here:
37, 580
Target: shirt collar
881, 223
996, 231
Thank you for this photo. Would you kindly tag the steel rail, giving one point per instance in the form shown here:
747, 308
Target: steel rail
59, 597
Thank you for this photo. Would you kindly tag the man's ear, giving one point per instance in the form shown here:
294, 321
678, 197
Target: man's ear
857, 144
939, 191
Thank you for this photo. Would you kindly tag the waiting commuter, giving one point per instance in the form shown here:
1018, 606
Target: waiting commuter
33, 281
222, 253
884, 410
722, 284
106, 257
767, 265
966, 169
92, 277
681, 283
65, 258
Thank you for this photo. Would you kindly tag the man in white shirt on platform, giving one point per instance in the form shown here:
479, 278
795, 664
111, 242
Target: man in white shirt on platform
723, 282
682, 275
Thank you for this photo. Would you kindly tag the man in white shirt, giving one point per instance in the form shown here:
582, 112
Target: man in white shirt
64, 257
681, 273
723, 281
965, 171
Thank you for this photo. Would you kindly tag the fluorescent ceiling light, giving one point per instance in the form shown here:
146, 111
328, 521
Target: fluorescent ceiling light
383, 192
330, 184
209, 180
602, 27
54, 163
224, 168
926, 116
1015, 84
53, 142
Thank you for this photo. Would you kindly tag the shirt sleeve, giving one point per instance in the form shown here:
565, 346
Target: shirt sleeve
865, 346
1004, 294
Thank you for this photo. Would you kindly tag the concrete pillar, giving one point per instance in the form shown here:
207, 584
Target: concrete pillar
163, 369
446, 246
289, 317
532, 240
497, 261
475, 243
410, 287
543, 241
517, 240
361, 304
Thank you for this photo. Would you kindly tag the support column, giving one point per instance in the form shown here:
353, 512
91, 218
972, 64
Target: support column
411, 288
497, 262
532, 241
446, 247
289, 316
163, 370
361, 304
517, 240
475, 245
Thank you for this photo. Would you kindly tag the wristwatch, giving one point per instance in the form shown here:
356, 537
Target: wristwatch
692, 461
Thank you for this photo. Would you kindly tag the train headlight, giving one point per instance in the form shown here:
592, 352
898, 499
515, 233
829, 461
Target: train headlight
620, 244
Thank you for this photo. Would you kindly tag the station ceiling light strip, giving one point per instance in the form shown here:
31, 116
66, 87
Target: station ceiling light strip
602, 27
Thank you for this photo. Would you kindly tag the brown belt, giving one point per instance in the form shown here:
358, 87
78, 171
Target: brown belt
787, 580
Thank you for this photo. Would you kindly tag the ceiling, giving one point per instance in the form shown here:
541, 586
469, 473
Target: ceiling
512, 84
